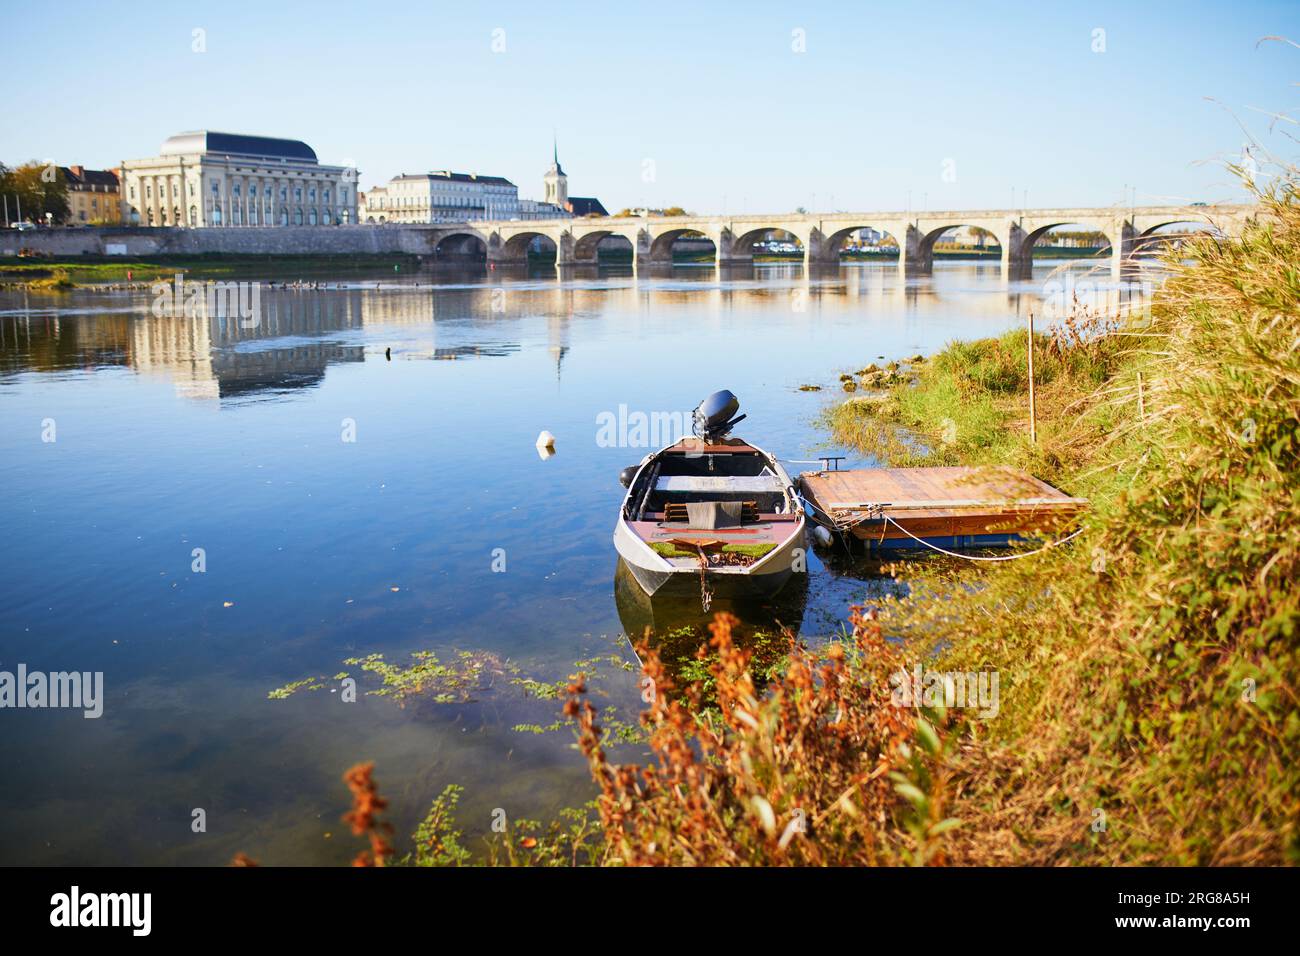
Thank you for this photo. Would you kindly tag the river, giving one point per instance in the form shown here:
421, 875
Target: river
359, 475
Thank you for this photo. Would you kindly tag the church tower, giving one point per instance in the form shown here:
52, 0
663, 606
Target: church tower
555, 184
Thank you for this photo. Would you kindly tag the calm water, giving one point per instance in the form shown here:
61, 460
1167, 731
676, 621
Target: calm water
174, 434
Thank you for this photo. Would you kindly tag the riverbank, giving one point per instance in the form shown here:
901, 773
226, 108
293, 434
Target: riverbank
1148, 671
1144, 677
71, 271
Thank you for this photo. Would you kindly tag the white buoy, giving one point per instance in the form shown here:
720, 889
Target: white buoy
546, 440
822, 537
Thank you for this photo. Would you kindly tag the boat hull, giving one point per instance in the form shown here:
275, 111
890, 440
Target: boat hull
763, 579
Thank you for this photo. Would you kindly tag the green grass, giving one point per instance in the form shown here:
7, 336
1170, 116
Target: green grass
1148, 670
97, 269
669, 550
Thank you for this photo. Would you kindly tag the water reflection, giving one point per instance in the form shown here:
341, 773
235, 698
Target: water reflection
177, 433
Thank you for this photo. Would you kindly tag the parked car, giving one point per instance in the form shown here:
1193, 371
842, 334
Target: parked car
23, 226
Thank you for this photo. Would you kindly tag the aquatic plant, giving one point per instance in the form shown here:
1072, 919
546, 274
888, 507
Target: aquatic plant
367, 805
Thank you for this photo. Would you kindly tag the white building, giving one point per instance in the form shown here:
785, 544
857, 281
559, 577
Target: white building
441, 196
206, 178
532, 209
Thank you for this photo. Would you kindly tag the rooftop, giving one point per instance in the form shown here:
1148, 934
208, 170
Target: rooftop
454, 177
237, 144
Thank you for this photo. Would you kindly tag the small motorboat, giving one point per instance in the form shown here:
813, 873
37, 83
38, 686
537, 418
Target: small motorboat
714, 508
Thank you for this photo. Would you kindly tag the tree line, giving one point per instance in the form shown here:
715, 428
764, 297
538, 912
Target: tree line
36, 192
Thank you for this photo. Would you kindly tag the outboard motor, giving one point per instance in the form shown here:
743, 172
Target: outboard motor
713, 419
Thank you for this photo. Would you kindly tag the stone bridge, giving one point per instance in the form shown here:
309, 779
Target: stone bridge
822, 236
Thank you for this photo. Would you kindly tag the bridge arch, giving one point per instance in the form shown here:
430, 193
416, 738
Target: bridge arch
1039, 238
661, 247
460, 246
984, 236
517, 246
836, 244
1201, 227
587, 247
742, 245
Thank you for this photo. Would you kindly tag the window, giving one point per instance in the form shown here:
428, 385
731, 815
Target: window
191, 189
311, 194
133, 193
235, 190
148, 192
284, 194
284, 216
297, 194
297, 217
325, 196
216, 188
252, 190
325, 217
216, 215
194, 213
311, 215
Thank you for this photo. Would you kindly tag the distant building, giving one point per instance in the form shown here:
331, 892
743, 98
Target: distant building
532, 209
555, 184
445, 196
206, 178
586, 206
441, 196
94, 195
555, 188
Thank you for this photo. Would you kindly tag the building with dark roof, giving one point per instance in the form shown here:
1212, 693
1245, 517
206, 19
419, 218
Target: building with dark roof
208, 178
93, 195
586, 206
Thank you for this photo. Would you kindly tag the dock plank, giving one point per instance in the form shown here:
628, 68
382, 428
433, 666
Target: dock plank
940, 501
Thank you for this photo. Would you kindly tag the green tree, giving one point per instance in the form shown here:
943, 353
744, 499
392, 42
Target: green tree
38, 188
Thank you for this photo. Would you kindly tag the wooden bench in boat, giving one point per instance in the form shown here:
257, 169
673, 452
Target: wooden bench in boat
676, 511
726, 484
768, 529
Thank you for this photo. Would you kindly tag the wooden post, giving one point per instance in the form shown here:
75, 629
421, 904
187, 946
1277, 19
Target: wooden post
1033, 425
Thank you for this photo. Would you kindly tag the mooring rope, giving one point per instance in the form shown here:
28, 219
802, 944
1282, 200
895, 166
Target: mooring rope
974, 557
706, 592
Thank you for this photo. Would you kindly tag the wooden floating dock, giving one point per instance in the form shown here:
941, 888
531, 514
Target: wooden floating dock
951, 508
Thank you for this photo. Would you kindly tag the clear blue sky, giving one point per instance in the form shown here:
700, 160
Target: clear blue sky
713, 94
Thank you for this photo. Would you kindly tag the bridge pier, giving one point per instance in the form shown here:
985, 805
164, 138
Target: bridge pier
727, 256
499, 253
1017, 253
1123, 252
915, 253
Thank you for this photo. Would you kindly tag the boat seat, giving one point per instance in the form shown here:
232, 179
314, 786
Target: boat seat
725, 484
677, 511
